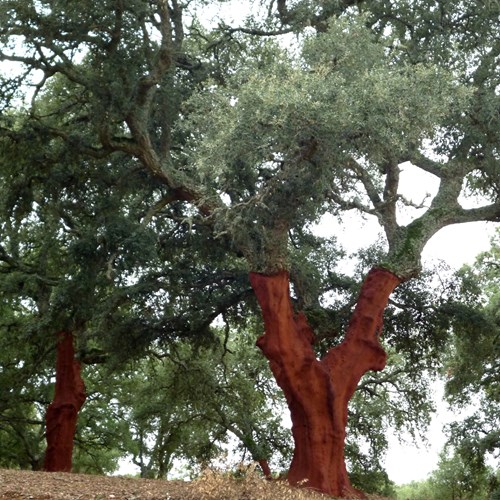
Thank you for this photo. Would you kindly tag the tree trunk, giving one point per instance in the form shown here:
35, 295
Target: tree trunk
266, 470
318, 391
62, 413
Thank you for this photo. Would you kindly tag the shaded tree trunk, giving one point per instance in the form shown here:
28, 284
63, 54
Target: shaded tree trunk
318, 391
62, 413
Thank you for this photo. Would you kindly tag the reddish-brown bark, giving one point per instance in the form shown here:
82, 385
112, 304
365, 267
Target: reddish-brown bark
62, 413
318, 391
264, 465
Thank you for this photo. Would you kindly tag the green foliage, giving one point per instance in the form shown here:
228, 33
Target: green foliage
21, 435
452, 480
285, 126
416, 490
25, 382
373, 481
103, 435
187, 402
473, 363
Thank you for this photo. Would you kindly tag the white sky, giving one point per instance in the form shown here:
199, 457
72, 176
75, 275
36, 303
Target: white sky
407, 461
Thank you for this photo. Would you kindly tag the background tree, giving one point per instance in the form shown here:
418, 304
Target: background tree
472, 366
208, 398
469, 464
59, 235
25, 379
452, 479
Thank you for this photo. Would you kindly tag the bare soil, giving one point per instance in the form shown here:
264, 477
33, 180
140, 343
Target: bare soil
28, 485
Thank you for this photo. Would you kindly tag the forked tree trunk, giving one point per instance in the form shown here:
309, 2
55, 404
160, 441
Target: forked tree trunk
318, 391
62, 413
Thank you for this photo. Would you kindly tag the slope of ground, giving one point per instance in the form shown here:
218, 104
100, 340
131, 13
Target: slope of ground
27, 485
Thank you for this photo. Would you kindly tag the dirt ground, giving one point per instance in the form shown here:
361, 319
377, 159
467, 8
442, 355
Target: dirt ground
27, 485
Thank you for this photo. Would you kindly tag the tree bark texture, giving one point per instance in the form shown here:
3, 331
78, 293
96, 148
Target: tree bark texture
62, 413
318, 391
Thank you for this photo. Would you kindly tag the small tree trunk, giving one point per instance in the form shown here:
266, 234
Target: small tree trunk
62, 413
266, 470
318, 391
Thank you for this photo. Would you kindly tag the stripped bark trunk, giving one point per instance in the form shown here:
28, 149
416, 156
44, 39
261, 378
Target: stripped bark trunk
266, 470
62, 413
318, 391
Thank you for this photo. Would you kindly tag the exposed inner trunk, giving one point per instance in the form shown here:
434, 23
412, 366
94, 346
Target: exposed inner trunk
62, 413
318, 391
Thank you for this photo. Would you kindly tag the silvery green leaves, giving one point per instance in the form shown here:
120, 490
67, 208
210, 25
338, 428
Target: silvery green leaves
279, 135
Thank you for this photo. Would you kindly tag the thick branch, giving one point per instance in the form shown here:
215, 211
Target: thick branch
425, 163
361, 351
116, 32
406, 247
486, 213
140, 112
388, 209
163, 59
287, 342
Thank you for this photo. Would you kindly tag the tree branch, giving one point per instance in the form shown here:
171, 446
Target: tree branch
486, 213
367, 182
421, 161
157, 207
15, 264
258, 32
387, 210
352, 204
